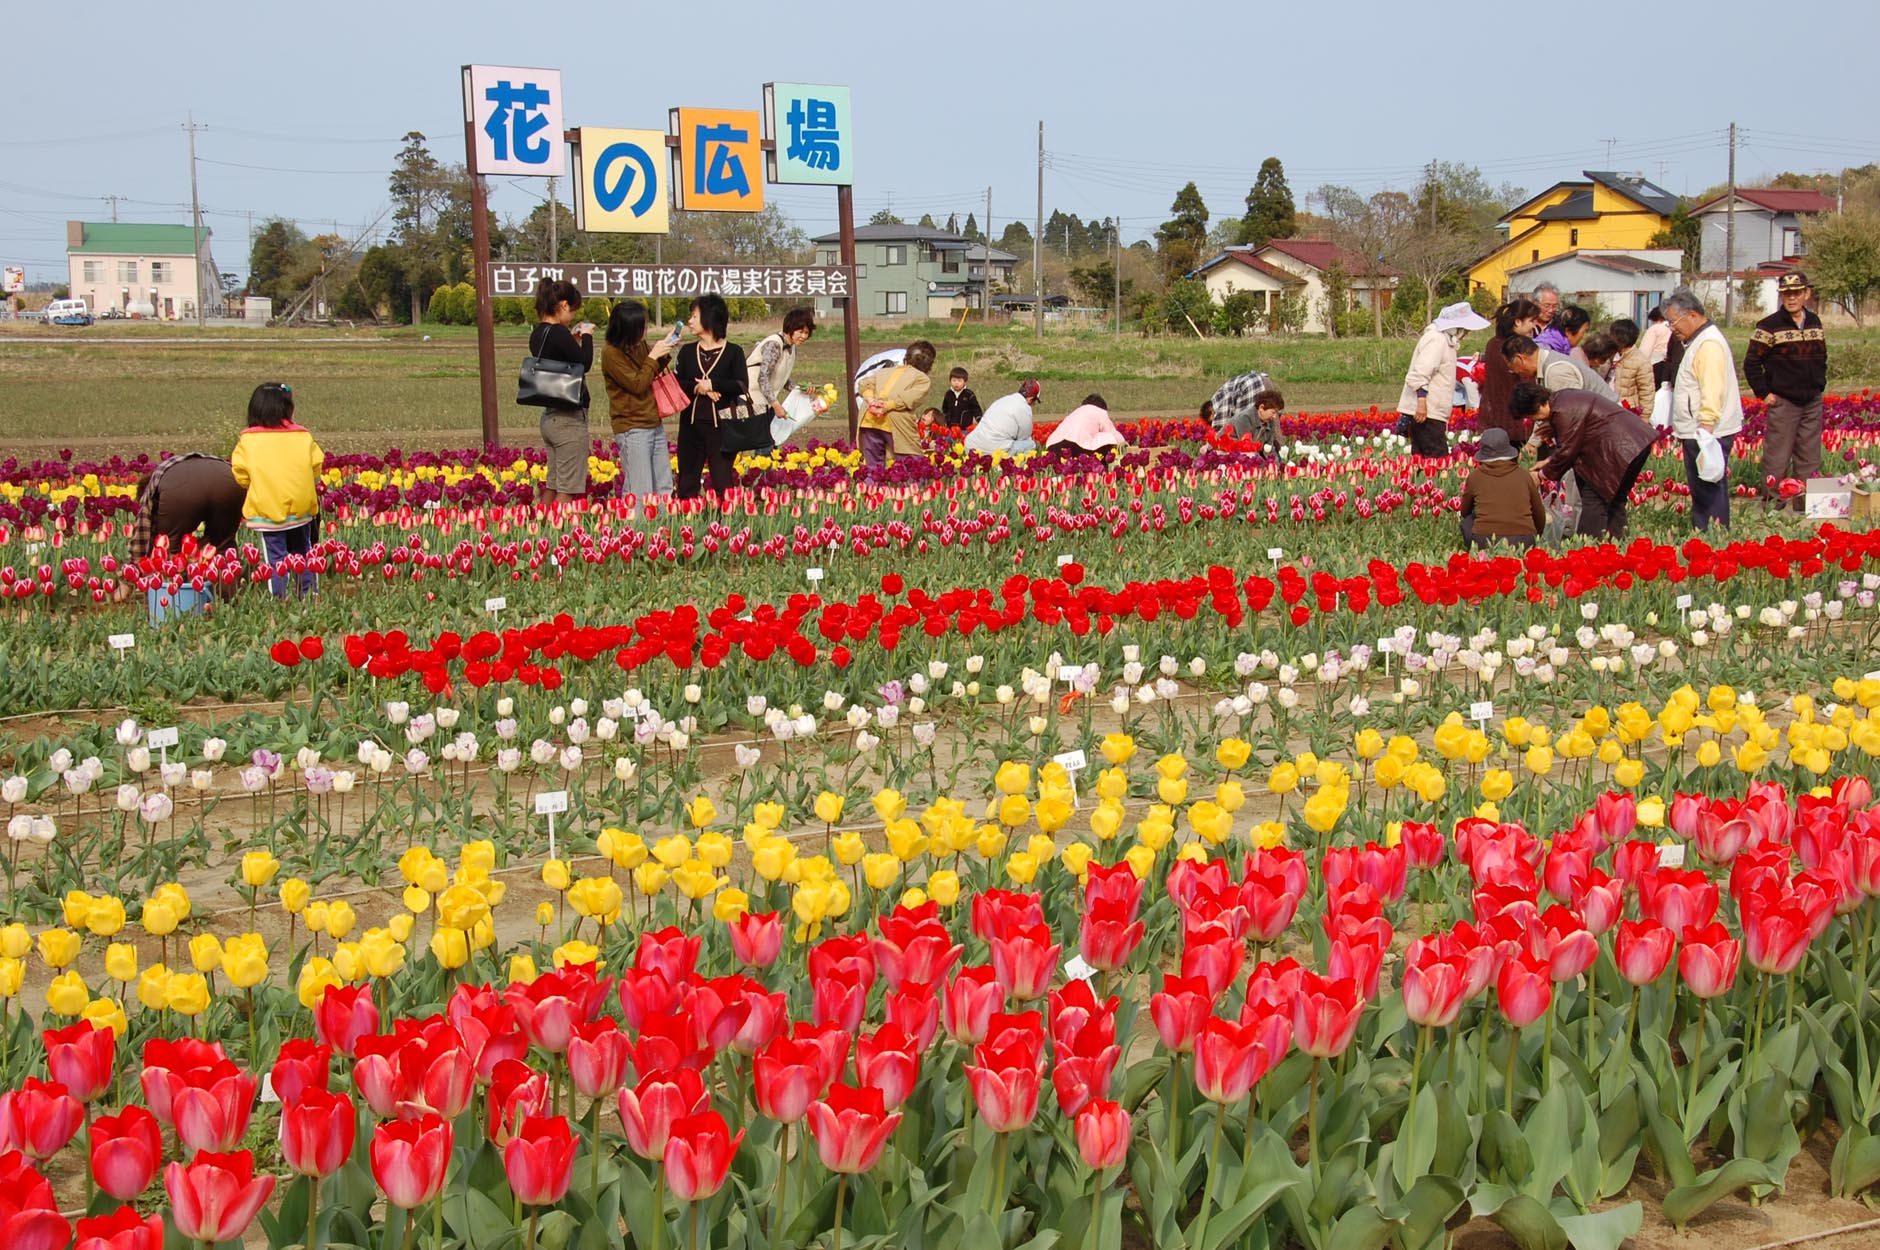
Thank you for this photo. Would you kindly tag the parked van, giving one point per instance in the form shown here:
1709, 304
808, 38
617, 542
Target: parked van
68, 312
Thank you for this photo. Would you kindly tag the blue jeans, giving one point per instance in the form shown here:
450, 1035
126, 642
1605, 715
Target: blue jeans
1710, 501
278, 545
645, 461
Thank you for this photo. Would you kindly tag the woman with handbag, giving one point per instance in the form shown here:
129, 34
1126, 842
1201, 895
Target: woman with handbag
564, 424
630, 369
712, 373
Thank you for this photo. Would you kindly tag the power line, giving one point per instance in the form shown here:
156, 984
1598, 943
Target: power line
282, 169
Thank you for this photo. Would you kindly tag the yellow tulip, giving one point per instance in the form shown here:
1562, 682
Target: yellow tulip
650, 878
943, 887
349, 963
1012, 777
1208, 820
1516, 730
340, 919
906, 840
77, 908
990, 843
1497, 784
68, 994
1155, 829
295, 894
1076, 858
1389, 772
714, 848
769, 815
16, 941
544, 915
1106, 820
450, 947
701, 812
1610, 752
1021, 868
12, 976
1629, 773
556, 877
576, 952
730, 905
58, 947
245, 961
1403, 748
597, 898
176, 896
828, 807
849, 848
623, 849
1233, 753
1538, 760
1324, 810
258, 868
890, 805
1113, 785
673, 851
461, 906
1451, 740
1117, 749
696, 879
1709, 754
1428, 782
412, 863
107, 1013
153, 986
1194, 853
205, 953
1284, 779
159, 918
187, 994
772, 858
1651, 812
1140, 860
521, 970
1368, 743
120, 962
478, 857
1173, 791
809, 902
880, 870
382, 952
1014, 810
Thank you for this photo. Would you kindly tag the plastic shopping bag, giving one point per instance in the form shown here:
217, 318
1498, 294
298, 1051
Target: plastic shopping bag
1661, 407
1710, 460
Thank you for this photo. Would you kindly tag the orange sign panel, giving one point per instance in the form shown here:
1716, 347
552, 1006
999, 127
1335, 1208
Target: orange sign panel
720, 160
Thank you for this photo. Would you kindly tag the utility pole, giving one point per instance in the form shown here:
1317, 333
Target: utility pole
195, 211
1431, 179
554, 223
113, 200
986, 244
1116, 272
1037, 245
1729, 238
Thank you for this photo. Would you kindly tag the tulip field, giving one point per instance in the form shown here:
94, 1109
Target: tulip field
1190, 850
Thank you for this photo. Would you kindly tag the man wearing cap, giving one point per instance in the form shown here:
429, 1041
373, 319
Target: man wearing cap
1006, 425
1499, 502
1429, 388
1787, 365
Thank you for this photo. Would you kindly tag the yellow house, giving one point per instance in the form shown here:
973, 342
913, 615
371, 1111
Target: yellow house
1603, 211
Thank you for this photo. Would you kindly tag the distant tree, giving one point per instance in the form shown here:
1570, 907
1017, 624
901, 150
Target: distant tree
1270, 212
1335, 284
1095, 284
1016, 239
1684, 232
926, 220
278, 253
885, 217
1844, 258
420, 188
1187, 301
1181, 238
971, 230
953, 223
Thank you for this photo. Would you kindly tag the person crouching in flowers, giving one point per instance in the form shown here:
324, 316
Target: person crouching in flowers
1499, 502
893, 396
278, 464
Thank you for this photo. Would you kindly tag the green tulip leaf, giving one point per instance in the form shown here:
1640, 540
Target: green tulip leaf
1602, 1230
1856, 1162
1685, 1202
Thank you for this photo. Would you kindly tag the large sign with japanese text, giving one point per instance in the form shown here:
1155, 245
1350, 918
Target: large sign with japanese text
810, 126
620, 181
718, 166
515, 115
676, 281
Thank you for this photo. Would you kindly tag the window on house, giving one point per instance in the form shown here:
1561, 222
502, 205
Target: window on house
1792, 244
1536, 255
94, 270
893, 303
127, 271
162, 271
950, 262
1573, 237
894, 253
828, 258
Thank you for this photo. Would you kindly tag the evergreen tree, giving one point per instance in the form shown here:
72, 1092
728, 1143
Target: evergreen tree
972, 229
1270, 212
279, 252
419, 189
926, 220
1180, 239
953, 223
1016, 239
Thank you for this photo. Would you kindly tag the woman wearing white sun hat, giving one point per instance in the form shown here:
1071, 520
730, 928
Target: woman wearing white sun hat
1429, 386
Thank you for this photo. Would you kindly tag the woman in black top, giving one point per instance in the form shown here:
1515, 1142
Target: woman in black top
713, 375
564, 430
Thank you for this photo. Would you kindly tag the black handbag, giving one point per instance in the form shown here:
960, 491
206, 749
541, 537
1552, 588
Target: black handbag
740, 430
550, 383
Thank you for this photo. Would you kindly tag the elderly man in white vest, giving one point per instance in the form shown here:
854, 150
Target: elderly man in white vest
1704, 400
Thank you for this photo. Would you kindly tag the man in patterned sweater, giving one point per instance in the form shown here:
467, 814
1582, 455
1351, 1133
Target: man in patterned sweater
1787, 365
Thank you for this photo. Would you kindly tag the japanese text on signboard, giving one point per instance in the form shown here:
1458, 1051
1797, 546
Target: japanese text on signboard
621, 181
676, 281
719, 158
810, 126
515, 116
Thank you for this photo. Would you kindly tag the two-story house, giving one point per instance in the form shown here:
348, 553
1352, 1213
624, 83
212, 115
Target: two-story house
148, 270
916, 272
1770, 226
1604, 212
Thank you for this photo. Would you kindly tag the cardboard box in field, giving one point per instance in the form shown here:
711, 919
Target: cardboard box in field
1828, 499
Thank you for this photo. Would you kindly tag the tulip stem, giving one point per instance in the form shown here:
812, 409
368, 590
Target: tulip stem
1697, 1063
1214, 1168
1547, 1047
999, 1150
594, 1146
1416, 1074
313, 1212
1762, 1002
1312, 1121
437, 1222
1631, 1021
659, 1208
1507, 1081
842, 1193
691, 1237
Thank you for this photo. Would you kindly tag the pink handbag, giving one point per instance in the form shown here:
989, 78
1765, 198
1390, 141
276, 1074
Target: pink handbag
668, 396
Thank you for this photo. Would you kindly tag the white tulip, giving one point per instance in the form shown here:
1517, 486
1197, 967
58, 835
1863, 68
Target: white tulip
915, 707
344, 781
692, 693
397, 712
578, 731
506, 729
606, 728
505, 706
974, 663
13, 789
78, 781
137, 759
805, 726
858, 717
1132, 672
20, 828
679, 740
570, 759
43, 830
615, 709
1037, 725
1245, 664
1360, 705
1257, 692
508, 760
936, 669
972, 690
889, 716
1004, 695
447, 717
213, 749
1119, 702
1197, 667
756, 705
1288, 674
174, 773
831, 701
1288, 697
1589, 611
1699, 638
306, 758
1132, 653
578, 707
541, 751
155, 807
866, 742
557, 714
128, 732
747, 757
416, 761
924, 734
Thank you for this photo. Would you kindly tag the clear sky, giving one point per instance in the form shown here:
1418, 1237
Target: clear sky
304, 104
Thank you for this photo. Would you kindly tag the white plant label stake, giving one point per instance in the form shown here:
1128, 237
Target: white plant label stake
1073, 763
549, 803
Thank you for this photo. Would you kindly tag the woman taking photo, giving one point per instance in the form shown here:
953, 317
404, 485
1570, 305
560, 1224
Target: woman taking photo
713, 375
564, 430
629, 366
1519, 315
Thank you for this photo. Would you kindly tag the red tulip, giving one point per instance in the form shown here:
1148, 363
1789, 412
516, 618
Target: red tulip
1085, 1063
1707, 960
1631, 860
410, 1159
1435, 983
999, 911
915, 1010
851, 1127
756, 938
851, 953
1005, 1084
1777, 929
1642, 950
669, 1041
1678, 899
1686, 814
840, 998
1723, 832
1524, 989
539, 1161
1215, 956
211, 1106
971, 998
549, 1007
698, 1155
317, 1132
832, 1048
597, 1058
1109, 933
1562, 938
29, 1217
1102, 1130
123, 1229
650, 1109
888, 1062
82, 1058
1179, 1011
1230, 1058
422, 1066
1423, 844
38, 1118
920, 951
302, 1065
1025, 959
517, 1092
216, 1197
1615, 816
344, 1014
670, 953
164, 1058
786, 1077
1116, 886
285, 653
126, 1150
1599, 900
644, 993
311, 647
1325, 1015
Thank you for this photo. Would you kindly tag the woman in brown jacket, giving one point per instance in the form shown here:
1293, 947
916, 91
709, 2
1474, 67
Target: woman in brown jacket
629, 367
1631, 373
1605, 445
1518, 316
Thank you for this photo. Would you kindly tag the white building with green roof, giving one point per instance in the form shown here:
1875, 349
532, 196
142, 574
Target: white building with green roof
150, 270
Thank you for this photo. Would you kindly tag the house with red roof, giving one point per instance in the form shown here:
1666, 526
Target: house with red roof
1769, 226
1297, 267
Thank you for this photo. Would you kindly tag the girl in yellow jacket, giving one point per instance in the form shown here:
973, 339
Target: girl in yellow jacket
279, 464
